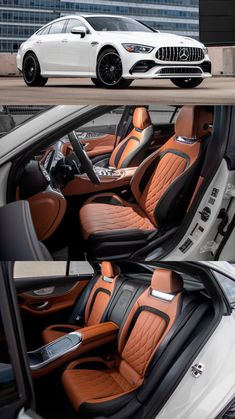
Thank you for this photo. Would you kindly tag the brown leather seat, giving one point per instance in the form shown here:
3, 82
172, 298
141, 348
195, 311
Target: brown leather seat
96, 386
131, 151
162, 188
96, 305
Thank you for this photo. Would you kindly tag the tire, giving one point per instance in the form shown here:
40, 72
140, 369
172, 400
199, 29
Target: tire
109, 71
187, 83
32, 72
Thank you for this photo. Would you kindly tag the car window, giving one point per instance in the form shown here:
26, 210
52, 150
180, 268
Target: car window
104, 124
8, 388
163, 114
57, 27
103, 23
72, 23
44, 31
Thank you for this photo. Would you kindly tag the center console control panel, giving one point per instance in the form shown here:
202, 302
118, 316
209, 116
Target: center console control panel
54, 350
107, 171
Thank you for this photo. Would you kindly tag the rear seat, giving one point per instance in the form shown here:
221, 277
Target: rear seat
110, 299
96, 386
96, 304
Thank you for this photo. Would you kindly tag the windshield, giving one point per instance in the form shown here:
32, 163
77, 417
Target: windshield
107, 23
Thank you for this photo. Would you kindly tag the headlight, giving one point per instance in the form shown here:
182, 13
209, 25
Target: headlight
137, 48
205, 50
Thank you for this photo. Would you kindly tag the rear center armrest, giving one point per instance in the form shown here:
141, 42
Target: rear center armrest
70, 346
94, 333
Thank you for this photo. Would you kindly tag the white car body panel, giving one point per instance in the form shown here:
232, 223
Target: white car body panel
204, 244
69, 55
206, 396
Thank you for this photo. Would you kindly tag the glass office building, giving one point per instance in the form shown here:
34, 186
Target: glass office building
21, 18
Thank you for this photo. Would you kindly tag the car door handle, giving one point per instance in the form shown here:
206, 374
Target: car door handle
38, 42
42, 305
64, 41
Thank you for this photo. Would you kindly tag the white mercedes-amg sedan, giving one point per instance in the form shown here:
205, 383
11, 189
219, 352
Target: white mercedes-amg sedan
111, 50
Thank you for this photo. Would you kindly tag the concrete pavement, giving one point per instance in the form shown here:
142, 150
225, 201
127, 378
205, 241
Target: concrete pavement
13, 91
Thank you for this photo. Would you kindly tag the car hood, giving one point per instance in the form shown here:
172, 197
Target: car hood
154, 39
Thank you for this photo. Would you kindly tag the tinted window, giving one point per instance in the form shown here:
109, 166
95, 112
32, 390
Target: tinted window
8, 389
116, 24
72, 23
57, 27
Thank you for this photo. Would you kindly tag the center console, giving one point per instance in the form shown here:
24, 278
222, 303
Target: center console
49, 357
54, 350
107, 171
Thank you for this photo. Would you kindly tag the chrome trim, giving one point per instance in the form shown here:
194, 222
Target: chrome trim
162, 295
180, 54
107, 279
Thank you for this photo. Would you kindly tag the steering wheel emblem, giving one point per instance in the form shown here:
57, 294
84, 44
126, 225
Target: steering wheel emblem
184, 54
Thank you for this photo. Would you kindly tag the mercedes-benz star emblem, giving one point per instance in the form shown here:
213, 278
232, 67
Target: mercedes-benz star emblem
184, 54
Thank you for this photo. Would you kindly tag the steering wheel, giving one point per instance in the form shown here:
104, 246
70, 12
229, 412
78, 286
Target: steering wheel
83, 157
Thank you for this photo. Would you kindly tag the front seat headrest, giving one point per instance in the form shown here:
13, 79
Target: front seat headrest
166, 281
193, 122
141, 118
109, 269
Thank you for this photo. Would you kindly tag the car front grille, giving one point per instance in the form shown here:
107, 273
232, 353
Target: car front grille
180, 70
180, 54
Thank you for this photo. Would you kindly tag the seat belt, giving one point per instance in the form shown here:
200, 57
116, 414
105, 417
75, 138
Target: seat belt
180, 322
77, 316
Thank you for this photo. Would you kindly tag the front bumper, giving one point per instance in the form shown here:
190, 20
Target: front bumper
144, 70
146, 66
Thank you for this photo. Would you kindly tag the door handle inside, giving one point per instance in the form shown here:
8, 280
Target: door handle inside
43, 305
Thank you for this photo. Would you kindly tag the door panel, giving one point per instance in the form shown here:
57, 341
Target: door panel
62, 298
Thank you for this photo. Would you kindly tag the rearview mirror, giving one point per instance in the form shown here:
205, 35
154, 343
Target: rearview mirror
79, 30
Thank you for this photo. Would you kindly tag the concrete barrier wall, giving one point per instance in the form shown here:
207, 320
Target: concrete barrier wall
8, 64
223, 62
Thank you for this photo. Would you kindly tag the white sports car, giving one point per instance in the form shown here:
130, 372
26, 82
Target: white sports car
111, 50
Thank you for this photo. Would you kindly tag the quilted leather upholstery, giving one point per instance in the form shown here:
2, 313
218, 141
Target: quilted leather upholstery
81, 385
130, 361
169, 168
99, 217
158, 178
143, 339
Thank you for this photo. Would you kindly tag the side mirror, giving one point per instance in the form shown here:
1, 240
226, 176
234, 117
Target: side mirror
79, 30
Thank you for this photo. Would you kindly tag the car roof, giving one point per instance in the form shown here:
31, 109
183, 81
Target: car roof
88, 15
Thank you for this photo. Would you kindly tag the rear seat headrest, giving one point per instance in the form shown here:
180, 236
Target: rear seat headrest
193, 122
109, 269
166, 281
